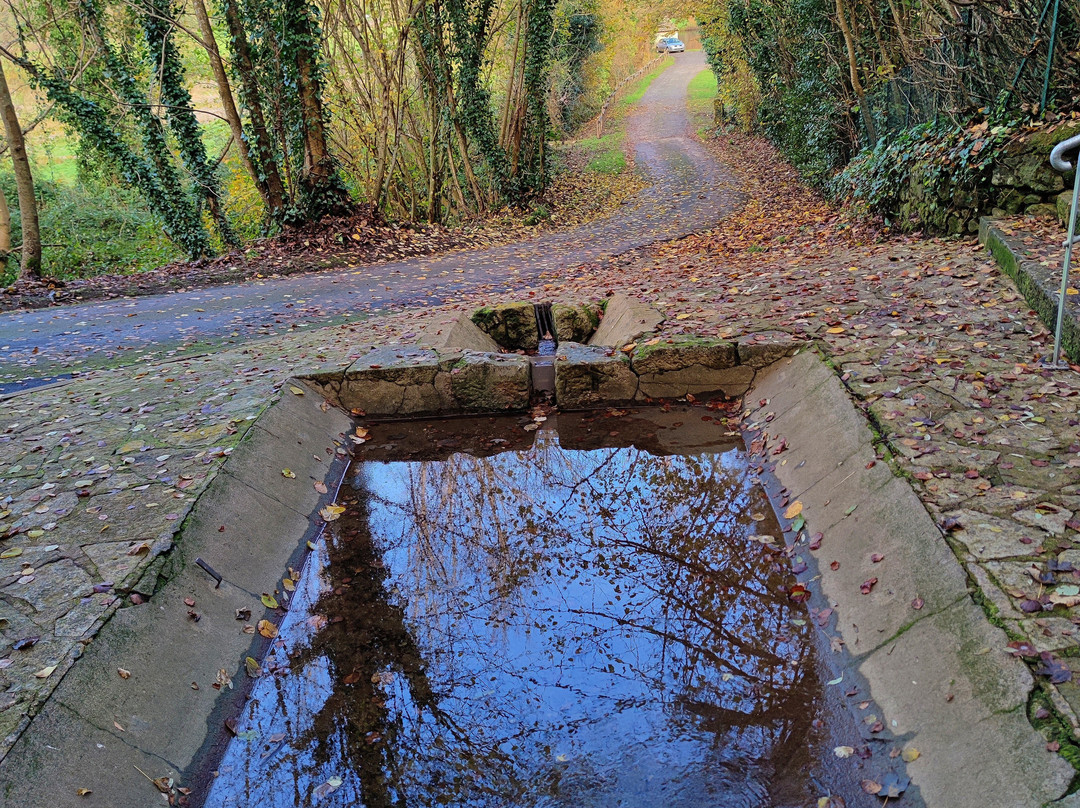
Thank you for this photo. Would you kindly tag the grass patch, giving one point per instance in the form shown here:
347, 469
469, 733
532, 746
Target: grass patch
98, 229
700, 92
604, 155
638, 88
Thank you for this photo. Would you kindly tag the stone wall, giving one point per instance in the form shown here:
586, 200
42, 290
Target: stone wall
1022, 182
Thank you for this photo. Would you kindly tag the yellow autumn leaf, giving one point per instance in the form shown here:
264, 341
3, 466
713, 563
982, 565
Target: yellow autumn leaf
296, 391
682, 316
1072, 290
267, 629
289, 473
288, 584
836, 329
331, 512
45, 673
793, 510
269, 601
11, 552
252, 668
909, 754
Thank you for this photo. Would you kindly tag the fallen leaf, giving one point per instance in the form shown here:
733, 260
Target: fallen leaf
1022, 648
876, 558
252, 668
269, 601
320, 487
844, 751
798, 593
909, 754
83, 792
867, 585
893, 785
296, 391
45, 673
267, 629
124, 674
331, 512
793, 510
288, 473
1054, 669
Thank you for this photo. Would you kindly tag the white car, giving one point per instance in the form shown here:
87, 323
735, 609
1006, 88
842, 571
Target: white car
671, 44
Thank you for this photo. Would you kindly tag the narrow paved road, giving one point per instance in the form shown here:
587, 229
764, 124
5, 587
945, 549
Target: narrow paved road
688, 192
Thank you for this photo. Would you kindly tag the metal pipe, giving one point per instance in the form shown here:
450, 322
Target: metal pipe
1058, 160
1049, 57
1024, 61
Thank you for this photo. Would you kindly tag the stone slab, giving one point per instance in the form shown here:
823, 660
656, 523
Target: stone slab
250, 525
950, 691
575, 323
761, 349
911, 658
512, 325
458, 332
591, 376
991, 538
625, 320
486, 382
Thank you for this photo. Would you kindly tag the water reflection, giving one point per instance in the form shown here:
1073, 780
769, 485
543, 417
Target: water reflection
541, 627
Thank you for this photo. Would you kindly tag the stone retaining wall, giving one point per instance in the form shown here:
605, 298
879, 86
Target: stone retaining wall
407, 381
1022, 181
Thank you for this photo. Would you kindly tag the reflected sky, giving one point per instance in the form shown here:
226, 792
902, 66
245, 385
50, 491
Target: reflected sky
544, 626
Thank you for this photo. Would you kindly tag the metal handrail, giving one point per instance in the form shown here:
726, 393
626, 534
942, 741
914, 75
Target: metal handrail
1057, 156
1058, 160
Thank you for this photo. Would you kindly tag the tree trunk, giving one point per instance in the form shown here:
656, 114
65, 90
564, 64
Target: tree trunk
24, 182
853, 70
264, 149
5, 228
326, 194
232, 115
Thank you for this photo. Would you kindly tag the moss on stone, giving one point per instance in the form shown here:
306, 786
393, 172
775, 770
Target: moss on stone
511, 325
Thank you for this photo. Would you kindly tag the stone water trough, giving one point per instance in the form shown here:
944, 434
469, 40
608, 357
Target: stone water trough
918, 652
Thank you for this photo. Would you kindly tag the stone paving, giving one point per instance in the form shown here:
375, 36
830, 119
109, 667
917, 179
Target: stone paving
939, 348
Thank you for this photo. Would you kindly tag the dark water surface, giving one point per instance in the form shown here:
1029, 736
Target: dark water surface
575, 616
